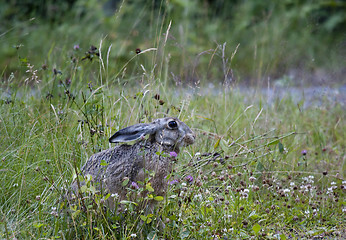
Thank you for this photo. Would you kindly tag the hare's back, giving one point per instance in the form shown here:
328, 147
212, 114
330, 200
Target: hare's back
105, 158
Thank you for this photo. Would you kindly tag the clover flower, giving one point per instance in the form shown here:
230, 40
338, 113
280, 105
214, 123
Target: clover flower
173, 154
174, 181
252, 179
189, 179
134, 185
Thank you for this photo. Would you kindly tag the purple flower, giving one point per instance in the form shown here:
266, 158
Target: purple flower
68, 81
76, 47
304, 152
173, 154
134, 185
173, 182
189, 178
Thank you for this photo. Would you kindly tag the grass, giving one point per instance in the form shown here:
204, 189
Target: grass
258, 169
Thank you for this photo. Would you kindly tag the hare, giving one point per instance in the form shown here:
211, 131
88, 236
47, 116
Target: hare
166, 135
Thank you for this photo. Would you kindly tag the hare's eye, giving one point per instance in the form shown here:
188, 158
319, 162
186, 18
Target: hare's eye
172, 124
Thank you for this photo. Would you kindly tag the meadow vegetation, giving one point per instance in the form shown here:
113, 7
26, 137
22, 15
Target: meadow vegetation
258, 169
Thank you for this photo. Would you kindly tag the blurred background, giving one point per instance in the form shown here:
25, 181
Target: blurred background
253, 43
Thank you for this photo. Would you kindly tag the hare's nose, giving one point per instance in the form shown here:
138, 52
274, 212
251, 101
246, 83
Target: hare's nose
189, 138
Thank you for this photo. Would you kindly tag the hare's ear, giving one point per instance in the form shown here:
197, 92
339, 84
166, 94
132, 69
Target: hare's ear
132, 133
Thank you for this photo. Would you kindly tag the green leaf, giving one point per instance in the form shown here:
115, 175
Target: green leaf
128, 202
104, 163
184, 233
149, 187
23, 60
80, 178
158, 198
114, 226
283, 237
217, 143
83, 188
75, 214
281, 147
92, 189
253, 215
147, 219
125, 182
37, 225
158, 153
256, 228
273, 142
107, 196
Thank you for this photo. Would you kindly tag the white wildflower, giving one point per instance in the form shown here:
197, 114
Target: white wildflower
198, 197
329, 191
244, 194
287, 190
115, 195
54, 212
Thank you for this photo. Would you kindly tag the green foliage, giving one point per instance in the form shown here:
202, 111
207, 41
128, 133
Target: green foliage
265, 38
248, 176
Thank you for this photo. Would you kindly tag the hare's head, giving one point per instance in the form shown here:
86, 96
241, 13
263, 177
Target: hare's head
169, 132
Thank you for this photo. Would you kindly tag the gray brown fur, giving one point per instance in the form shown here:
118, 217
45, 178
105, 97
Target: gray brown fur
131, 160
